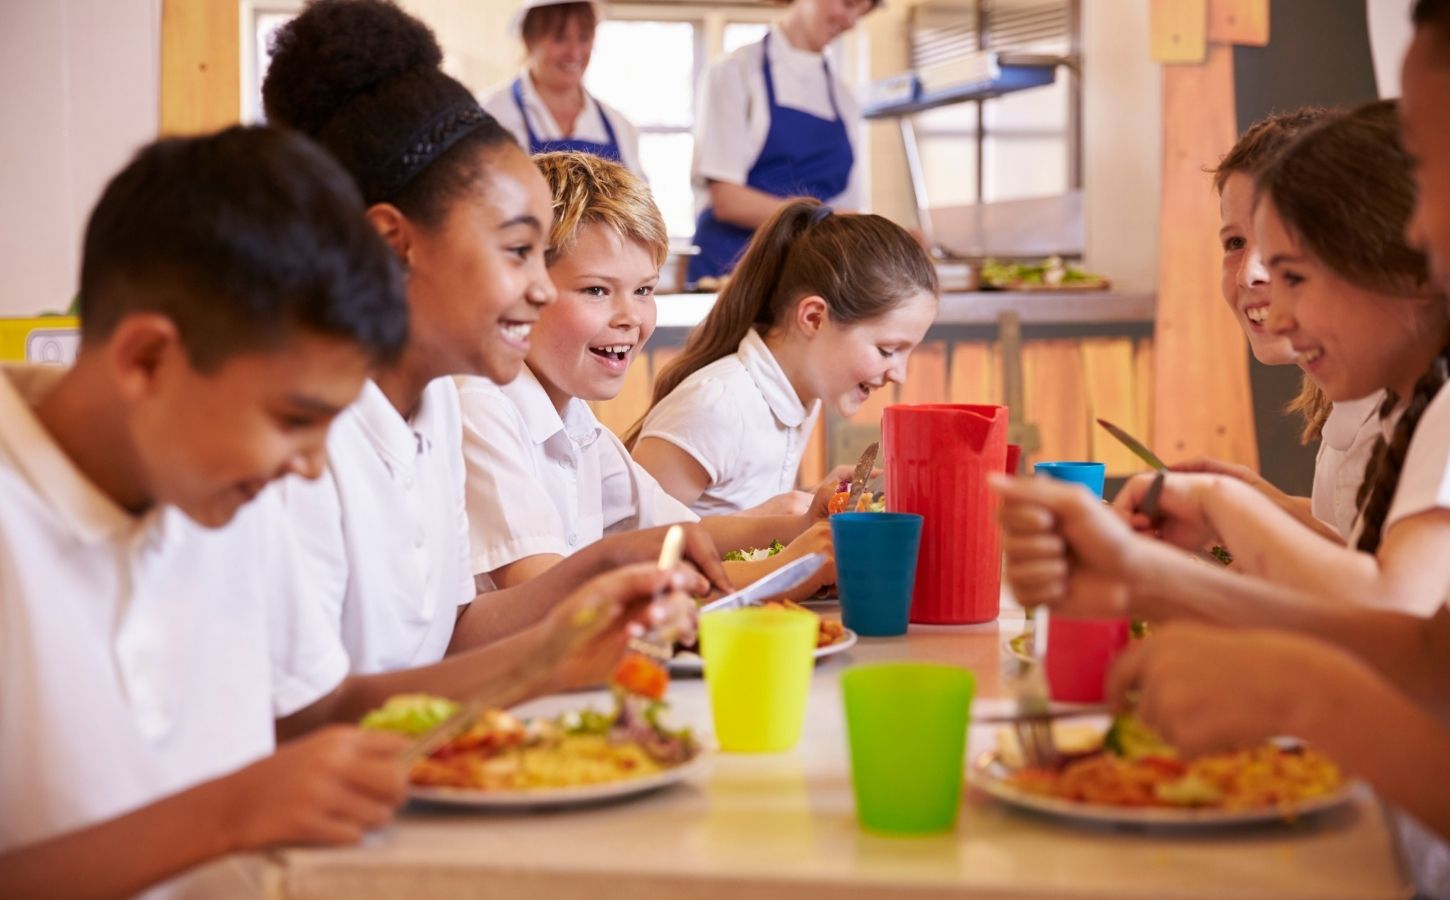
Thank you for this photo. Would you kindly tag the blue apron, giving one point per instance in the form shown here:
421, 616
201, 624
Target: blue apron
609, 151
804, 155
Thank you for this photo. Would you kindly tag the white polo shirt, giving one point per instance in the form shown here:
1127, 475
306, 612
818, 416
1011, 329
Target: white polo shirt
385, 534
734, 114
138, 655
539, 482
500, 104
743, 422
1425, 477
1345, 447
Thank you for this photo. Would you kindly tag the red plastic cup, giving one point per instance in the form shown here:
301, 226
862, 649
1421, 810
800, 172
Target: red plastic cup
938, 457
1079, 654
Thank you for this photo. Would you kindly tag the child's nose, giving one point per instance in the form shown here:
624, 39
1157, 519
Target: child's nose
1252, 271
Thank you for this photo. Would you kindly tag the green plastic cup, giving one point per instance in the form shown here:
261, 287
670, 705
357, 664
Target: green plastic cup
758, 665
907, 727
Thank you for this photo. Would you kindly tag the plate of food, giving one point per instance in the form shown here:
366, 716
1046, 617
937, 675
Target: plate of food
1051, 274
504, 762
831, 638
1125, 775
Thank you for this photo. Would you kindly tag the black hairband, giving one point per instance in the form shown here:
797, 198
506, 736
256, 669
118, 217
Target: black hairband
446, 129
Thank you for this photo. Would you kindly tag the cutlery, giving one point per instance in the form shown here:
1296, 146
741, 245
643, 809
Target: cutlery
1046, 715
781, 580
654, 643
861, 475
1133, 444
1031, 722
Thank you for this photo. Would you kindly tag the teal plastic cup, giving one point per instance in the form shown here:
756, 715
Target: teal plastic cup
1088, 474
907, 728
876, 569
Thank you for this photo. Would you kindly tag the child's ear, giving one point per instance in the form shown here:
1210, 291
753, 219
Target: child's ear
811, 314
138, 348
395, 229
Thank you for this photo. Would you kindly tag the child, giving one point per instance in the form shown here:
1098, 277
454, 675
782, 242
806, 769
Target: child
461, 205
545, 477
233, 299
1363, 316
1347, 431
822, 308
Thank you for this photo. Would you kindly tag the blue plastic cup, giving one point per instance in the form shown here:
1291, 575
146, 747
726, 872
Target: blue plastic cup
1088, 474
876, 569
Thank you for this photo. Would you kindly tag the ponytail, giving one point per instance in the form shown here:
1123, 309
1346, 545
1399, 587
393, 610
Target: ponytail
1383, 472
863, 266
1313, 406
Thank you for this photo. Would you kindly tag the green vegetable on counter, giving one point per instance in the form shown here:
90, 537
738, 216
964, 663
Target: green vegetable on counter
752, 554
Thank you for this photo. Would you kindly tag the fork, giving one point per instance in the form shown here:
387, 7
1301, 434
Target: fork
1033, 724
654, 643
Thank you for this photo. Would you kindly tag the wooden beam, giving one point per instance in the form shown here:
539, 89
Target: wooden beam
1178, 30
1243, 22
201, 81
1202, 401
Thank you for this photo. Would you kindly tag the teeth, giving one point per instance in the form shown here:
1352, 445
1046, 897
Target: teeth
1308, 357
517, 331
1258, 315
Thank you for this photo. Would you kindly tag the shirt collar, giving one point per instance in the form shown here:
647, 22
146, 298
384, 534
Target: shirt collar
90, 515
783, 51
1346, 420
542, 421
771, 381
391, 435
540, 111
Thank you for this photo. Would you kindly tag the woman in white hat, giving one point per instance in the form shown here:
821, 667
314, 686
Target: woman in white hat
775, 122
546, 106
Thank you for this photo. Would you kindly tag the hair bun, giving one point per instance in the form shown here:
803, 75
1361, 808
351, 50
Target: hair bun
337, 50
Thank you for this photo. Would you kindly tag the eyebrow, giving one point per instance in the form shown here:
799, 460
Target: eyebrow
1281, 258
313, 405
525, 219
1226, 229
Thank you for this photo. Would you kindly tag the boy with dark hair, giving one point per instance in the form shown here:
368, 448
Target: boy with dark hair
152, 624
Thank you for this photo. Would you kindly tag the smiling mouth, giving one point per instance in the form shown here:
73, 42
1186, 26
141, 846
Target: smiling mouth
518, 332
1309, 357
612, 352
1259, 315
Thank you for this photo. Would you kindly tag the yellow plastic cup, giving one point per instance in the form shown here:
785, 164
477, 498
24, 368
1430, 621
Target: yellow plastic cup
758, 665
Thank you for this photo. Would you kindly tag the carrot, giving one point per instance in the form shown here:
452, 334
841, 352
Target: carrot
638, 674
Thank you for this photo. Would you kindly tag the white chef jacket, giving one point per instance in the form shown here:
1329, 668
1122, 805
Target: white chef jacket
743, 422
139, 656
384, 533
500, 104
541, 482
733, 114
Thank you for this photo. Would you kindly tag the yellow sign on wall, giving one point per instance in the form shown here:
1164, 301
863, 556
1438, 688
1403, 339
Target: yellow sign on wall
44, 339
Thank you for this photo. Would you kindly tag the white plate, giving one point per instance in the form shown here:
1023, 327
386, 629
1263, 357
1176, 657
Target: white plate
993, 777
553, 798
691, 664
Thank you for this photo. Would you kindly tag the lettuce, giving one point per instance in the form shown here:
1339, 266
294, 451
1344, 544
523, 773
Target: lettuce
410, 713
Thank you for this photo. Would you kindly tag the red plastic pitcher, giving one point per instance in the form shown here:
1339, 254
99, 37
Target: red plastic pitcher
938, 456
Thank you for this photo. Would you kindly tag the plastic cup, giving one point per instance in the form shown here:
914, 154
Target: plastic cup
876, 569
1088, 474
1079, 654
758, 665
907, 728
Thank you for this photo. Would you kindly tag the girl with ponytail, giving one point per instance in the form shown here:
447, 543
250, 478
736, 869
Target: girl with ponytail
823, 308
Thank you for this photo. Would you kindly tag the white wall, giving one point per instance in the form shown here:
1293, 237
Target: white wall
1122, 144
79, 92
1390, 33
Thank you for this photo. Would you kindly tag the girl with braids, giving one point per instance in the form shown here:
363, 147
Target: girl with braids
823, 308
1347, 431
384, 531
1357, 303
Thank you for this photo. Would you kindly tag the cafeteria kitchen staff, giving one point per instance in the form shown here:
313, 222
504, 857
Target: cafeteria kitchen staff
546, 106
775, 122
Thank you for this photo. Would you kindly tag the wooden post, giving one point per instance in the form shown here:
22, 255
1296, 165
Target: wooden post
201, 82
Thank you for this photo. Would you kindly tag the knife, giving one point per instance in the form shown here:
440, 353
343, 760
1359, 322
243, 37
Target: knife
781, 580
861, 475
1047, 714
1133, 444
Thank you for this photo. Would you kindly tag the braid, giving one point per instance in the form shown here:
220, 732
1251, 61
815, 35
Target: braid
1378, 489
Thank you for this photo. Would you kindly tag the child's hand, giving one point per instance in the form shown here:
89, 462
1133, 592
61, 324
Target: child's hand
1064, 549
1182, 519
791, 503
1208, 689
584, 637
329, 787
631, 547
815, 539
821, 504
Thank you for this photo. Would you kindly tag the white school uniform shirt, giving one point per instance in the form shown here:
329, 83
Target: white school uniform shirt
542, 482
1425, 477
139, 656
743, 422
500, 104
734, 114
384, 532
1345, 446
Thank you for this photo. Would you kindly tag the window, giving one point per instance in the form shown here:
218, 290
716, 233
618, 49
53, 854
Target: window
260, 19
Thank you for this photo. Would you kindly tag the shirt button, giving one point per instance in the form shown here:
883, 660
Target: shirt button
573, 539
